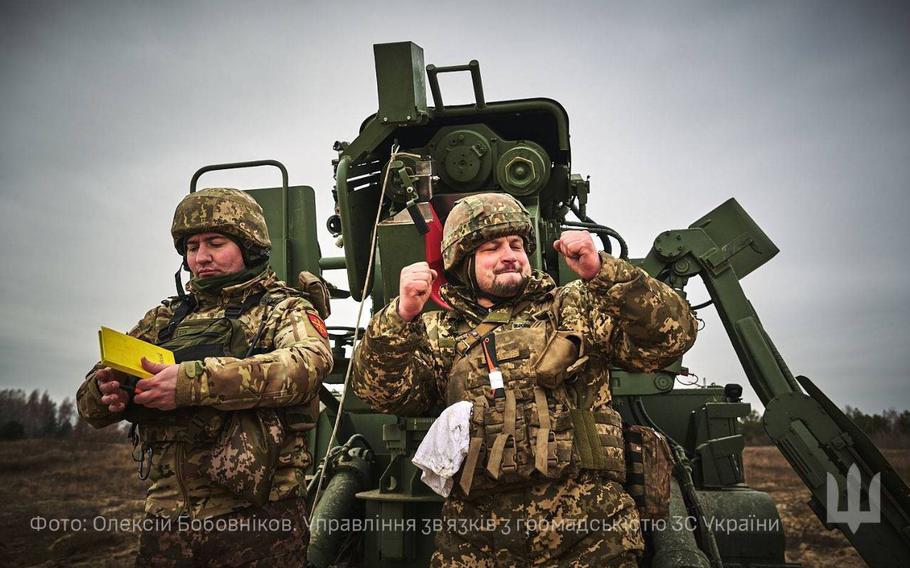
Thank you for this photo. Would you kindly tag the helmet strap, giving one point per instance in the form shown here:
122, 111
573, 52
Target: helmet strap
178, 281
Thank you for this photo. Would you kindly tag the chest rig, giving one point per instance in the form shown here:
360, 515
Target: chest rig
255, 433
195, 339
531, 428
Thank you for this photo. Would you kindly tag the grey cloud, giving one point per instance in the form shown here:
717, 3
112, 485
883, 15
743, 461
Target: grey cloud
800, 110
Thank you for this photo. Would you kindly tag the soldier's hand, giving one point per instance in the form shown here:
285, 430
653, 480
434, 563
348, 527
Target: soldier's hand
580, 253
159, 391
112, 395
414, 287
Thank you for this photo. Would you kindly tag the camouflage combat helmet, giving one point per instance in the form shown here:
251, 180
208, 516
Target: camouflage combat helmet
479, 218
222, 210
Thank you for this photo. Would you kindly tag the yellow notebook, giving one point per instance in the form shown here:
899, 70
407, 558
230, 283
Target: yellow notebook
124, 353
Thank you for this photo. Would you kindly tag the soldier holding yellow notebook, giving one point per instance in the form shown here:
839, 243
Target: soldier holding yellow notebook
221, 433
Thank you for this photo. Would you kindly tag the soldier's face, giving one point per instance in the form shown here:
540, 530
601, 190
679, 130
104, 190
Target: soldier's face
213, 254
501, 266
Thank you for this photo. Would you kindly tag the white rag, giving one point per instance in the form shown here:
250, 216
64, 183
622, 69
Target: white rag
444, 447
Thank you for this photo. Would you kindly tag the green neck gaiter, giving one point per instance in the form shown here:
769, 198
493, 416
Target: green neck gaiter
215, 284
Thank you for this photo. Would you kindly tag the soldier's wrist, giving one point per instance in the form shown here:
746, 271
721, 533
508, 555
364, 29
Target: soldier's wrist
404, 317
595, 265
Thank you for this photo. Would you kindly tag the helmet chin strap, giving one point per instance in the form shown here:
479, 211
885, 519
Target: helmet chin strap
178, 281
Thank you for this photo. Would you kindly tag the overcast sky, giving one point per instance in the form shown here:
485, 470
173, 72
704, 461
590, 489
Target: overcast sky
799, 110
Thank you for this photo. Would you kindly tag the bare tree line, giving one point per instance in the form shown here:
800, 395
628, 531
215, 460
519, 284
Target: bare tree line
35, 415
889, 429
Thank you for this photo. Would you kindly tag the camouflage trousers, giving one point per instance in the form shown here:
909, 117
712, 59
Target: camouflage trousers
579, 522
276, 534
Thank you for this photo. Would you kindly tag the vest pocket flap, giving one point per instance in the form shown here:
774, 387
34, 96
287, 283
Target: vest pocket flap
560, 353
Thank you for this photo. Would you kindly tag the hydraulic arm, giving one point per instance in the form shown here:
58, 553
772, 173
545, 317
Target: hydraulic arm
832, 456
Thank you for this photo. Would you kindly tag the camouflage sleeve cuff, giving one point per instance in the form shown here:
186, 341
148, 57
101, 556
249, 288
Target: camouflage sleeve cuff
613, 271
188, 372
391, 329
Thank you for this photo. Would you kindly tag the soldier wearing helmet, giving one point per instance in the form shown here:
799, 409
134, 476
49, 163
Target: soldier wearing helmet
221, 434
543, 459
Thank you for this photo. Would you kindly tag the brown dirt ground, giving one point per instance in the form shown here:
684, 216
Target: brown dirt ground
808, 541
63, 479
57, 479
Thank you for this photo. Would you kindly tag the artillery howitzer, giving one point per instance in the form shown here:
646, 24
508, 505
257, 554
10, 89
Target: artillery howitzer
395, 183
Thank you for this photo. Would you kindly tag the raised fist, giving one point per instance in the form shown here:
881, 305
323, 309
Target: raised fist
414, 287
580, 253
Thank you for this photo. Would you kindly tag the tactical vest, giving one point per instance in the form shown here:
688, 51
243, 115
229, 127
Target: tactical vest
532, 429
253, 435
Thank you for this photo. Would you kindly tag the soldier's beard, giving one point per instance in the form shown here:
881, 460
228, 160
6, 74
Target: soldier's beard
505, 285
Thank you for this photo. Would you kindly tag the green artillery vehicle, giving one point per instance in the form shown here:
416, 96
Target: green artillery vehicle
395, 183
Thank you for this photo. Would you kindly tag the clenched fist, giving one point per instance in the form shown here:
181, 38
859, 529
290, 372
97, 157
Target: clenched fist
414, 287
580, 253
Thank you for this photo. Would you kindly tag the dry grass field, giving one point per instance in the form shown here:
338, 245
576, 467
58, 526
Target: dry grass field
808, 542
54, 479
57, 479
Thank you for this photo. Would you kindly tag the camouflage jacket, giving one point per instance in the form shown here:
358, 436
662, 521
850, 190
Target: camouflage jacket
626, 318
295, 358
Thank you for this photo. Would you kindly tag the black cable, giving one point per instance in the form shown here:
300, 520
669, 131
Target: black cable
623, 247
601, 231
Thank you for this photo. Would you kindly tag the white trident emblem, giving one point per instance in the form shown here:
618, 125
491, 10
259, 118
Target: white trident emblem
853, 515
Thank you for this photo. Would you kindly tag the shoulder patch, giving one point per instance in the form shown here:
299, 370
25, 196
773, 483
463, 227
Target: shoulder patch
318, 324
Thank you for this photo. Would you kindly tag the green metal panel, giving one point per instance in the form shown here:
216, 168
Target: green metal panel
742, 242
299, 249
672, 411
627, 383
399, 245
401, 84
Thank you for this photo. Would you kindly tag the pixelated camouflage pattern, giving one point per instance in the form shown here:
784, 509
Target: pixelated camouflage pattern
221, 210
285, 546
539, 440
479, 218
554, 523
625, 317
288, 374
244, 456
649, 470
